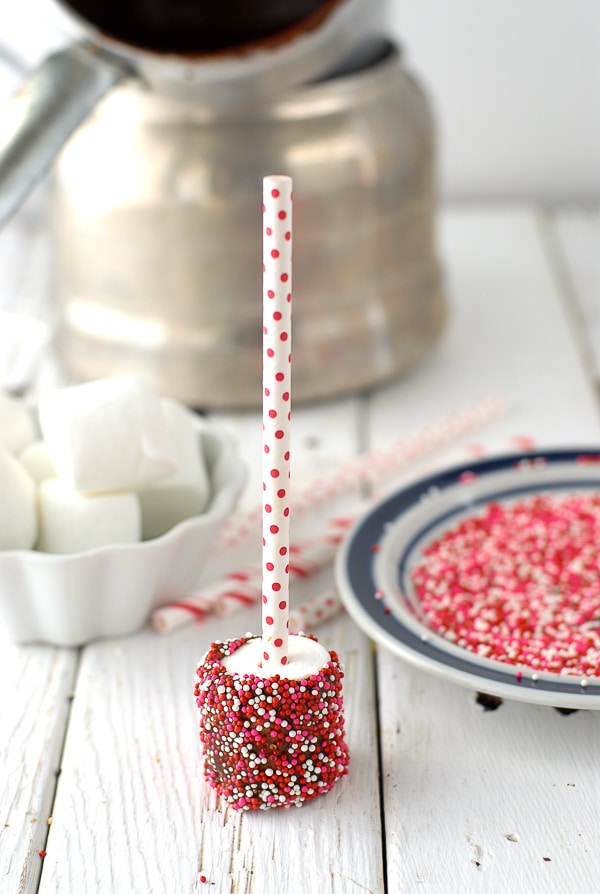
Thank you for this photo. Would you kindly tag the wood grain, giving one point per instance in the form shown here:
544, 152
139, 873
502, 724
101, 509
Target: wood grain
36, 692
473, 801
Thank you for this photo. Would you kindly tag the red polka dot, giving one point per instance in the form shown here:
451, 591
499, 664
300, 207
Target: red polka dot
282, 605
282, 215
274, 473
269, 619
274, 529
267, 448
268, 508
271, 293
288, 236
270, 352
286, 512
275, 193
269, 231
278, 642
264, 330
274, 253
270, 566
281, 493
288, 297
286, 455
279, 434
267, 392
277, 315
284, 277
284, 659
287, 569
283, 336
264, 208
283, 551
279, 377
264, 600
272, 413
276, 587
286, 395
266, 656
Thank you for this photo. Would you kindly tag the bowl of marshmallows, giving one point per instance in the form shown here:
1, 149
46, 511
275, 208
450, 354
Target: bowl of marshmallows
113, 497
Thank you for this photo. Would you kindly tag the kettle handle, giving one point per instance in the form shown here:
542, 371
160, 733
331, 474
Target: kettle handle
38, 119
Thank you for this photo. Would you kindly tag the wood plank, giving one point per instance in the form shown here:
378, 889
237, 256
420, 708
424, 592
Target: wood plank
504, 801
508, 332
37, 683
486, 801
577, 232
132, 812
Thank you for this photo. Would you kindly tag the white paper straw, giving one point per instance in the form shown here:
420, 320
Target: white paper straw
277, 322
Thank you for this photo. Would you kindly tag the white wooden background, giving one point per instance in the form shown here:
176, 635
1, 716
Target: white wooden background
443, 796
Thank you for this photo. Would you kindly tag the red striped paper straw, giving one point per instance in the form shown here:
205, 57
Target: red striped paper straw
244, 587
376, 465
315, 611
277, 320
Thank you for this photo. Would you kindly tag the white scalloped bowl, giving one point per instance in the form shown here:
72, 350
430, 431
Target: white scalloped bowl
68, 600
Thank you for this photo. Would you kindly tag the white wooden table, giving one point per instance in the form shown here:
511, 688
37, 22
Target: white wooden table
100, 762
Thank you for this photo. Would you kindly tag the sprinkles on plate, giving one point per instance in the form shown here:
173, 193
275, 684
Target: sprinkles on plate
520, 583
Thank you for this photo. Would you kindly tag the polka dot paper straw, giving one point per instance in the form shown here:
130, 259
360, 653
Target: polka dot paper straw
277, 318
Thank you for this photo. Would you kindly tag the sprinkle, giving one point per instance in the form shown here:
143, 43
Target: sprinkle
519, 583
260, 735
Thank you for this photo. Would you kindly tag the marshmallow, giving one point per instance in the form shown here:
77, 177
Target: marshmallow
71, 522
186, 491
16, 425
107, 435
273, 741
305, 657
36, 460
18, 529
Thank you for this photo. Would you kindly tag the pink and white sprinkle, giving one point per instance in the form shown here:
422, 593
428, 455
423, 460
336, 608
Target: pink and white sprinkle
519, 583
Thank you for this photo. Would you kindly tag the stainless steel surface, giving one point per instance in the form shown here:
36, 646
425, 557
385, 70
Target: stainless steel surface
36, 122
157, 234
251, 75
52, 102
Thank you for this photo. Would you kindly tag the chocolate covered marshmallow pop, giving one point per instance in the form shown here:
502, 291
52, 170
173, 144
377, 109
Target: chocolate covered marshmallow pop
271, 709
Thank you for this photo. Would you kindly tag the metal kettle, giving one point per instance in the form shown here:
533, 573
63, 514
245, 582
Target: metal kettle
155, 216
157, 236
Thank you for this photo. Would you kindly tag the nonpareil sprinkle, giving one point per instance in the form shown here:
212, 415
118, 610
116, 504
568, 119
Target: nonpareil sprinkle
519, 583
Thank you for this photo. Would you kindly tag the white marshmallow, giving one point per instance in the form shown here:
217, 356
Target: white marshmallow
187, 491
36, 460
107, 435
18, 527
72, 523
305, 657
16, 424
